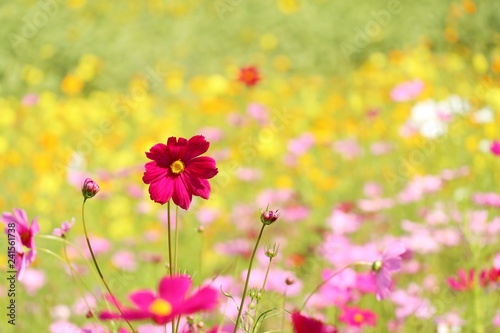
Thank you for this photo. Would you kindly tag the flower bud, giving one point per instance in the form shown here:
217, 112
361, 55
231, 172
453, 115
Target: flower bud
89, 188
377, 265
272, 251
268, 217
290, 280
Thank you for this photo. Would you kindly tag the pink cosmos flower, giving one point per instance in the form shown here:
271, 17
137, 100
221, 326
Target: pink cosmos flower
303, 324
33, 280
495, 148
63, 230
390, 262
29, 100
407, 90
178, 172
24, 237
463, 281
357, 317
169, 303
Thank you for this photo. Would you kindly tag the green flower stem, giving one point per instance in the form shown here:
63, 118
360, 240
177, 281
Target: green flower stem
238, 318
176, 239
261, 293
74, 273
362, 263
97, 266
170, 266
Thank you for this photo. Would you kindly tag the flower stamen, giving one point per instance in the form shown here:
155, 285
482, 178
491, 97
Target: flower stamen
160, 307
177, 167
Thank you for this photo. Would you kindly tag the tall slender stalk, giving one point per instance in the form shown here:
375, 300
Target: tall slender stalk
238, 318
170, 265
261, 293
97, 265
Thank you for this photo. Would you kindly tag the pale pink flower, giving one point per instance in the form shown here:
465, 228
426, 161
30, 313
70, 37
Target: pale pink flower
301, 145
124, 260
63, 326
207, 215
348, 148
496, 319
33, 280
29, 100
407, 90
248, 174
212, 134
64, 229
450, 322
390, 262
258, 112
343, 223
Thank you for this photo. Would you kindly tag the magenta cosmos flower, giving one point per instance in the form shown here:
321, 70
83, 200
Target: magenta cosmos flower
169, 303
178, 172
356, 317
17, 226
495, 148
390, 262
303, 324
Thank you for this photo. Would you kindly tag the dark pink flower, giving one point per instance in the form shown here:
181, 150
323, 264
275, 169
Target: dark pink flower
463, 281
495, 148
357, 317
303, 324
390, 262
169, 303
178, 172
23, 235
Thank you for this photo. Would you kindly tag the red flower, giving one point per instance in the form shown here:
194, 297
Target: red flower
249, 76
178, 172
303, 324
356, 317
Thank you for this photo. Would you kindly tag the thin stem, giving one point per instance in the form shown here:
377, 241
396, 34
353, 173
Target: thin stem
97, 266
330, 277
176, 239
238, 318
170, 266
261, 293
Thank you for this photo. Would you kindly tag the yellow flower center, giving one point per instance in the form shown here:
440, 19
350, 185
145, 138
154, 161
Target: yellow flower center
358, 318
177, 167
160, 307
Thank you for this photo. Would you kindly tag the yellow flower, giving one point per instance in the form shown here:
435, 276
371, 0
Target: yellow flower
71, 85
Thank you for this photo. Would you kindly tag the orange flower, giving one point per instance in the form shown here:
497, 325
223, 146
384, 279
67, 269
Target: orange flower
249, 76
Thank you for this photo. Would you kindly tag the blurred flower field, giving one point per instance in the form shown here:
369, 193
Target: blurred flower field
364, 138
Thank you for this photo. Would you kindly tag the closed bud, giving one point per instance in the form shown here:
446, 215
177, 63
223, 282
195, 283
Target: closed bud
269, 217
290, 280
89, 188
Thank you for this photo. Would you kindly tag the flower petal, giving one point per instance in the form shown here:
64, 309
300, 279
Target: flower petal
176, 148
162, 190
153, 172
181, 196
142, 298
196, 146
202, 167
196, 186
205, 299
174, 289
160, 154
